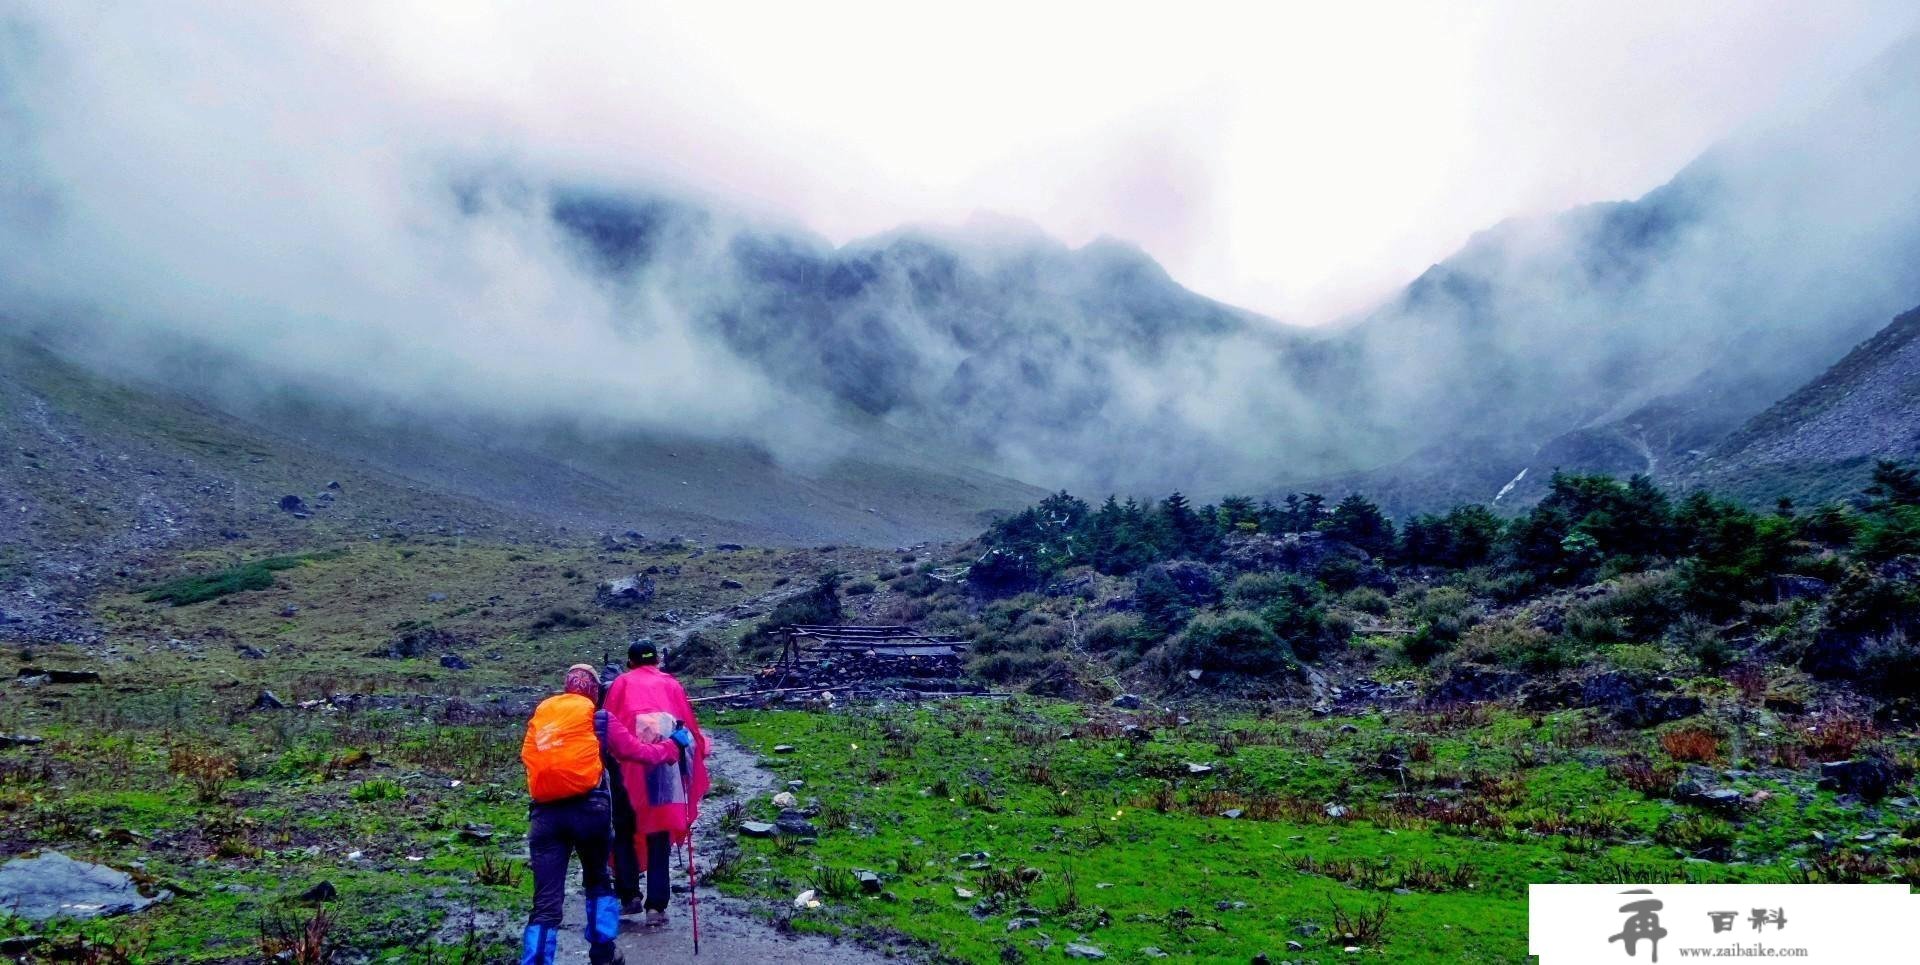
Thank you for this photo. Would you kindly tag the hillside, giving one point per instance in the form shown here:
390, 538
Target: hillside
106, 478
1822, 440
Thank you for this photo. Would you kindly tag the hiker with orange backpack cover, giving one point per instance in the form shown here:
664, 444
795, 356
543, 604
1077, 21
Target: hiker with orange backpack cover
665, 803
572, 811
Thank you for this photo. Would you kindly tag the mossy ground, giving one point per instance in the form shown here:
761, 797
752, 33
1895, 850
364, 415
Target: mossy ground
163, 769
1130, 850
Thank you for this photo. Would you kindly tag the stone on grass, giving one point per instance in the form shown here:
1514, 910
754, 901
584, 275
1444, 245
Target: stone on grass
324, 891
19, 740
56, 886
783, 748
1194, 768
784, 799
1152, 951
453, 661
268, 700
1127, 701
1015, 924
1078, 950
869, 881
1232, 813
1870, 777
757, 829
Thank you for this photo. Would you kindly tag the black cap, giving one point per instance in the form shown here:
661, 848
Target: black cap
642, 652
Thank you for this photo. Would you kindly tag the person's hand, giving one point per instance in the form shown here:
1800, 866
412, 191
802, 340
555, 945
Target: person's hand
600, 718
682, 736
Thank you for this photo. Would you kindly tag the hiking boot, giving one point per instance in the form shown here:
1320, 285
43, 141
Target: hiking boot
656, 918
632, 906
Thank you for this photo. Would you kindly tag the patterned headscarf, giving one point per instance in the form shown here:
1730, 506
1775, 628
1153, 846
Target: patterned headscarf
583, 681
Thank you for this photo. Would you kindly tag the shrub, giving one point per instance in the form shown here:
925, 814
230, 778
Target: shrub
257, 575
1699, 835
699, 656
1517, 644
1691, 744
860, 588
378, 789
1122, 633
1235, 642
1004, 667
1367, 600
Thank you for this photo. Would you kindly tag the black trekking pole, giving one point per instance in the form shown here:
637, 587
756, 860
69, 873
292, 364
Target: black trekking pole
693, 880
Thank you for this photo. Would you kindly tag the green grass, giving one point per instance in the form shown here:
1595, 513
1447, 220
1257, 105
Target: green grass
1127, 849
257, 575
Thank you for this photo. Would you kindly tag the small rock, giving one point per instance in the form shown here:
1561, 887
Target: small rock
476, 832
1193, 674
1077, 950
1127, 701
268, 700
292, 504
453, 661
436, 598
959, 892
1232, 813
1336, 810
1193, 768
784, 799
869, 882
783, 748
289, 611
732, 585
249, 652
1016, 924
806, 899
19, 740
1152, 951
756, 829
324, 891
1295, 946
62, 676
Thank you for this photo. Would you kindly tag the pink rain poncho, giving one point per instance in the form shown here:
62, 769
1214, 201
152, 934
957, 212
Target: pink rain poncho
633, 700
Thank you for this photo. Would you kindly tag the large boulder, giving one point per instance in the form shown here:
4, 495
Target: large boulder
1869, 777
53, 885
632, 590
1637, 700
1470, 684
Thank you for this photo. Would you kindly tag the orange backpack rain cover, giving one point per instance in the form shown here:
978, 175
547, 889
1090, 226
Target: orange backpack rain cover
560, 750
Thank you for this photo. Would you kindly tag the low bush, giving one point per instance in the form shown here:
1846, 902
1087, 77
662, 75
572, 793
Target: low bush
1236, 643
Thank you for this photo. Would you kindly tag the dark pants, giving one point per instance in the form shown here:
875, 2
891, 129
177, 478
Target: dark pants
626, 861
559, 830
659, 876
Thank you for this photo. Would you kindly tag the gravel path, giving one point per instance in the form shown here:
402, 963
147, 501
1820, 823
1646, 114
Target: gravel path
730, 930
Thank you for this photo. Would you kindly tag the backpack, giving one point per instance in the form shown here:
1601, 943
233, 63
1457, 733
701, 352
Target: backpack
560, 750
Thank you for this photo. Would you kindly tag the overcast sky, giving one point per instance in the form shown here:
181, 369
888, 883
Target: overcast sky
1300, 159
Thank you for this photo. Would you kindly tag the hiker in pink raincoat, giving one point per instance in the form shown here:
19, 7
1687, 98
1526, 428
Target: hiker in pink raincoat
666, 797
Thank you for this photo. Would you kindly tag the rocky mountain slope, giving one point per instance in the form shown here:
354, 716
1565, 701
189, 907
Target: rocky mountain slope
103, 478
1821, 441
